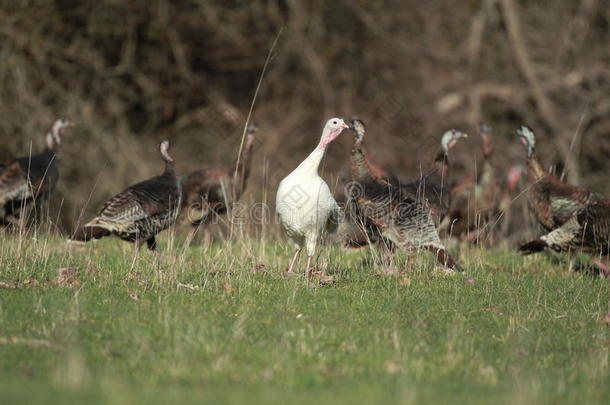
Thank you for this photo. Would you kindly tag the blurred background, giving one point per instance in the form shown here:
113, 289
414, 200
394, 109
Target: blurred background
130, 73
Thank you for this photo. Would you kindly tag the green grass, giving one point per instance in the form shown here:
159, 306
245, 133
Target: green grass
526, 331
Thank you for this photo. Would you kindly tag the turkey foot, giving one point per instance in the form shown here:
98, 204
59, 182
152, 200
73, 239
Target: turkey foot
289, 272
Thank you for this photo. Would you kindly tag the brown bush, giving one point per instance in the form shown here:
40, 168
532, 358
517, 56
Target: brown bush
131, 73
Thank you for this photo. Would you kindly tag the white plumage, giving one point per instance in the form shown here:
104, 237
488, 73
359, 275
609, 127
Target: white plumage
304, 202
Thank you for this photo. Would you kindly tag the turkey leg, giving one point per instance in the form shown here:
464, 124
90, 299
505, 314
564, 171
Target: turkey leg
308, 269
445, 258
290, 269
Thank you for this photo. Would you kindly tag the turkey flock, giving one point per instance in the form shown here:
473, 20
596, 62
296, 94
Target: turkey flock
376, 209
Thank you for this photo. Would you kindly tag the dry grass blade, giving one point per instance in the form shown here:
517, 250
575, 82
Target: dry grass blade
15, 340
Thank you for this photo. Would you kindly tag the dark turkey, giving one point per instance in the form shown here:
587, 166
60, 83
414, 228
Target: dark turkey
30, 179
587, 231
474, 199
553, 201
141, 211
390, 212
434, 186
208, 192
360, 231
431, 187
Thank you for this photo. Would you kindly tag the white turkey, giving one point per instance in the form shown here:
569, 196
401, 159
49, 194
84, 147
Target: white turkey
304, 203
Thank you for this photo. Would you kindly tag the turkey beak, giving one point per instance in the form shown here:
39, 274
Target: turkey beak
345, 126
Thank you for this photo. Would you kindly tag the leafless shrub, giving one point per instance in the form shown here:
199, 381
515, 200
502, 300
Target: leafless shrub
130, 73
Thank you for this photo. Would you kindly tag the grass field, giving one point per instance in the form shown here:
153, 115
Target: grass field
217, 326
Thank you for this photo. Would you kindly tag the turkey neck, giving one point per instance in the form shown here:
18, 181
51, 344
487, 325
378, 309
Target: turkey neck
312, 162
487, 170
441, 165
170, 169
361, 168
52, 149
535, 171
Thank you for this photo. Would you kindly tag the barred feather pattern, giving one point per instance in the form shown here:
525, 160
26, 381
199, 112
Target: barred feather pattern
365, 232
394, 215
13, 184
390, 210
597, 228
433, 189
413, 226
553, 201
564, 237
143, 210
588, 231
26, 179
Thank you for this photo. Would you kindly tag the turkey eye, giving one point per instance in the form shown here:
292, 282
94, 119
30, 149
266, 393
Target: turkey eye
334, 122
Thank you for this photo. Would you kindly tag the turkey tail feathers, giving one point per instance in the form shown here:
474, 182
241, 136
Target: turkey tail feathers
534, 246
87, 233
